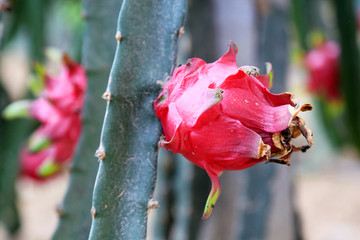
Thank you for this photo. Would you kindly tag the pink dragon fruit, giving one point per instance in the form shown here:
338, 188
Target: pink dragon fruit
222, 117
324, 72
51, 146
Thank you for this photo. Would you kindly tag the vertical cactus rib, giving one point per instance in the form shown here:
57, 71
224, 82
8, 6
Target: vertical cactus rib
145, 54
98, 52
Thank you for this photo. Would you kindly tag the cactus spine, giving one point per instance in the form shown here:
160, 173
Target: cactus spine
146, 51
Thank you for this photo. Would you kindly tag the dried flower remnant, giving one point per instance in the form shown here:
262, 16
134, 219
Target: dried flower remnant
222, 117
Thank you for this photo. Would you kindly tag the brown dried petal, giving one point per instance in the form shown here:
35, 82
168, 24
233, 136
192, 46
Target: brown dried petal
264, 150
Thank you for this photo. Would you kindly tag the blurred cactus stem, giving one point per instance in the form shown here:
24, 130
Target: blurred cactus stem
349, 65
147, 42
98, 53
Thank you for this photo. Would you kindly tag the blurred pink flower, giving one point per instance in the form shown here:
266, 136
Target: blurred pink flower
58, 109
322, 63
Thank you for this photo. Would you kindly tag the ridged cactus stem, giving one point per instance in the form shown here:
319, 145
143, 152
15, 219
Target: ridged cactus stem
146, 52
98, 52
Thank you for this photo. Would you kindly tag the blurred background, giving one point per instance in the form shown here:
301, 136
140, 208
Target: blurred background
313, 46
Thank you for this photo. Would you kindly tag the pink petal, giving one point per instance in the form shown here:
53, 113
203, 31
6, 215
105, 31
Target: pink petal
218, 71
195, 101
184, 77
43, 111
247, 100
223, 140
171, 120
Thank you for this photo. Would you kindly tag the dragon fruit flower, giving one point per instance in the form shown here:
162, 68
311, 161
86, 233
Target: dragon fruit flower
51, 146
322, 63
66, 91
222, 117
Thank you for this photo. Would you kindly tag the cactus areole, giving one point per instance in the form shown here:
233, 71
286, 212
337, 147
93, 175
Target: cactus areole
222, 117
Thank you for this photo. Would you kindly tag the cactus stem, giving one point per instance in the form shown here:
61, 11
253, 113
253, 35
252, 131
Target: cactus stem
99, 33
107, 95
93, 212
181, 31
118, 36
130, 128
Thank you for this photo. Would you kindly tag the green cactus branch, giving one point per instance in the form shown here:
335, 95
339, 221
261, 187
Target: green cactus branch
301, 20
98, 52
146, 52
28, 16
307, 20
9, 216
349, 65
13, 135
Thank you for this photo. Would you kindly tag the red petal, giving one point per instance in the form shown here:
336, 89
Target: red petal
66, 91
223, 140
184, 76
230, 56
196, 71
218, 71
171, 120
64, 150
267, 79
247, 100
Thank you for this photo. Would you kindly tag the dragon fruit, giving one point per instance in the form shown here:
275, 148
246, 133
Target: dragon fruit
58, 109
322, 63
222, 117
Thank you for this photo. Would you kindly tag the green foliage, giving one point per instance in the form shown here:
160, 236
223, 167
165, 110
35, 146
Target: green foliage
65, 27
27, 16
13, 135
349, 65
